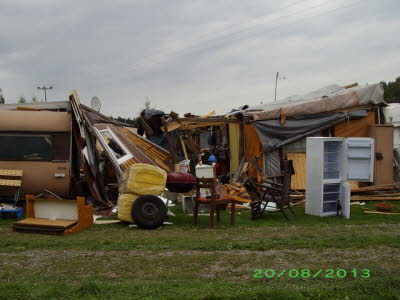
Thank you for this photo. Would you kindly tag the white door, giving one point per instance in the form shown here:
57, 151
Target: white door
345, 191
360, 159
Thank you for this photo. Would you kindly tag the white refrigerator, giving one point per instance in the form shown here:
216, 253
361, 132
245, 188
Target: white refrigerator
330, 163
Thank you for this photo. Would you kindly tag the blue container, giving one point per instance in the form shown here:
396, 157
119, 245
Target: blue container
11, 213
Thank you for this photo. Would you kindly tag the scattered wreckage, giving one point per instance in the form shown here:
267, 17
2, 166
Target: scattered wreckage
257, 153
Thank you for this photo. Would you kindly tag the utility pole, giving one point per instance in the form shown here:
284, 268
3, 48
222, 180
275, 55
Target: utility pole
276, 83
45, 90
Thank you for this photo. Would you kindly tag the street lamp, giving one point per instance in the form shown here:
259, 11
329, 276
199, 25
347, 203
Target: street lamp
276, 82
45, 90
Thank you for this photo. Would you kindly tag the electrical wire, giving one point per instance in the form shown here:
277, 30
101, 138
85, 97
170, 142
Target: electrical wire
234, 36
204, 36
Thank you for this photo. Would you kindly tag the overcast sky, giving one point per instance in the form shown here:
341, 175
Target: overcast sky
193, 56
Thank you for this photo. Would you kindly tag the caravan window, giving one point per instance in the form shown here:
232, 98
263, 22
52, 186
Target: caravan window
26, 147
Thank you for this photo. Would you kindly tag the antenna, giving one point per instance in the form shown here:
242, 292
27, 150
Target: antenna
95, 103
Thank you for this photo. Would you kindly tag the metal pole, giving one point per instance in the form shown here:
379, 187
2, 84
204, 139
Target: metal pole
276, 83
45, 91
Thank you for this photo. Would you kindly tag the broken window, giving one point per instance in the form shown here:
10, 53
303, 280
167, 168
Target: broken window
118, 150
19, 147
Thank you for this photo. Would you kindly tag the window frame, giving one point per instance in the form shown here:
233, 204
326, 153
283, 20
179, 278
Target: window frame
123, 158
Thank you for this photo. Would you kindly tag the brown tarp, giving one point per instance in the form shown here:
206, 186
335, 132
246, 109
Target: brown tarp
327, 99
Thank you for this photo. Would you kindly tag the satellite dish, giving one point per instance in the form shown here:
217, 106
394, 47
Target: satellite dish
95, 103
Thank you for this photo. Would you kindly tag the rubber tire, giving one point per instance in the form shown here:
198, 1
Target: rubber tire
149, 212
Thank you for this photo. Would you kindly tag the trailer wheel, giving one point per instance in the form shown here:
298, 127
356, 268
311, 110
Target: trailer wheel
149, 212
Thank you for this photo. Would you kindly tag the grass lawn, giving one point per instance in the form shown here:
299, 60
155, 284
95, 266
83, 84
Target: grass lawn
181, 261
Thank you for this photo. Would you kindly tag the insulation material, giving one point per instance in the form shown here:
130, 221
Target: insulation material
143, 179
234, 134
253, 148
125, 202
355, 127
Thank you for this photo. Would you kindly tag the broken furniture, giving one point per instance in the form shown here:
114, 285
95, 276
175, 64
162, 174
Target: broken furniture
55, 216
330, 162
11, 179
269, 192
215, 202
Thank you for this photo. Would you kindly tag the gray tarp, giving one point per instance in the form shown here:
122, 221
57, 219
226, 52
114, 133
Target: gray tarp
326, 99
273, 134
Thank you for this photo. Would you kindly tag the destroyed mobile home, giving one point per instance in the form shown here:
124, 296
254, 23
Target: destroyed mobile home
328, 147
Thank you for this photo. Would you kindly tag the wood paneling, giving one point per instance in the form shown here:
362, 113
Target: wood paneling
383, 136
355, 128
253, 148
299, 164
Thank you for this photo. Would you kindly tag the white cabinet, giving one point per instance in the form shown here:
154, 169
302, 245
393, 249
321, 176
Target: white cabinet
330, 162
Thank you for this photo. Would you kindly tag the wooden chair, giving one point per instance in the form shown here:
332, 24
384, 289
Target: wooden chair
214, 201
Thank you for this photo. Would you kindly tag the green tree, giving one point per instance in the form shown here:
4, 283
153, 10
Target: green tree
392, 90
35, 99
2, 101
22, 99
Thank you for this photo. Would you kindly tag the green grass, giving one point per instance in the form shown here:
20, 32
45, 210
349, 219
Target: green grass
182, 261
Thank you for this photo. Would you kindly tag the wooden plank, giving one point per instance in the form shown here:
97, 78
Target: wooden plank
238, 198
46, 223
183, 147
27, 108
8, 182
373, 198
207, 120
199, 125
350, 85
380, 187
380, 212
353, 184
210, 113
16, 173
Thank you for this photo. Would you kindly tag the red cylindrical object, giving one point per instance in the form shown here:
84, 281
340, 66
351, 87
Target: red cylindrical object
180, 182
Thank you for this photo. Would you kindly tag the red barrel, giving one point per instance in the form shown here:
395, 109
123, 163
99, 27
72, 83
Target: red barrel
180, 182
